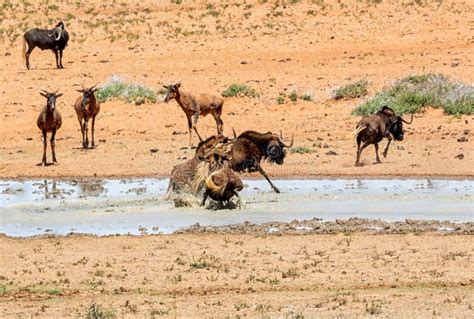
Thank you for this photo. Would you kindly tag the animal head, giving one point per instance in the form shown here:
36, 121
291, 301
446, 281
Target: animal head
58, 31
271, 145
171, 91
395, 122
51, 98
87, 94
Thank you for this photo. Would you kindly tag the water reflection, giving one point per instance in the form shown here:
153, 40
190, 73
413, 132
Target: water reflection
93, 188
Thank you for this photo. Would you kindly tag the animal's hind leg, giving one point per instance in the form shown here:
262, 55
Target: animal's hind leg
359, 151
86, 132
93, 124
53, 146
219, 122
190, 125
28, 51
196, 116
275, 189
377, 158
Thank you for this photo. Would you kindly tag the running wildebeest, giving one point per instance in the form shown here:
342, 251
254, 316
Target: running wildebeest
251, 147
203, 104
49, 120
87, 107
373, 128
55, 40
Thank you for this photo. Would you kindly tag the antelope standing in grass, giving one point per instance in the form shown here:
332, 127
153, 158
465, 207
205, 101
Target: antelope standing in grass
192, 106
49, 120
87, 107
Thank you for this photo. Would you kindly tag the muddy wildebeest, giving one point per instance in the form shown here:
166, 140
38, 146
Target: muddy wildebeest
373, 128
183, 175
251, 147
49, 120
221, 182
55, 40
87, 107
192, 106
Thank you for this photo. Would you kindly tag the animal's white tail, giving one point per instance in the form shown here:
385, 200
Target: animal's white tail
202, 173
357, 131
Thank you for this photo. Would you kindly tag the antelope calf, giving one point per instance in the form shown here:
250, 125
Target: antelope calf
192, 106
49, 120
87, 107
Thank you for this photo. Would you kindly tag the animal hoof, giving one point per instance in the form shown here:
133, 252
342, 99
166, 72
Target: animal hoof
358, 164
276, 190
377, 162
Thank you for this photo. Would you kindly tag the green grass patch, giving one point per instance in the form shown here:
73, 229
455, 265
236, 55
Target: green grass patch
117, 88
352, 90
281, 99
239, 90
412, 93
300, 150
53, 291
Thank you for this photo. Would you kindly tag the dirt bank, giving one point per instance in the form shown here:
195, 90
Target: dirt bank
272, 48
197, 275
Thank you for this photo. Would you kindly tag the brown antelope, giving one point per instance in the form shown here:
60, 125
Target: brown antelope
49, 120
192, 106
87, 107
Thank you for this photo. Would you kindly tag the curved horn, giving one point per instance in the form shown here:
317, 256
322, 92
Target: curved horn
93, 87
292, 140
60, 32
44, 91
235, 135
411, 120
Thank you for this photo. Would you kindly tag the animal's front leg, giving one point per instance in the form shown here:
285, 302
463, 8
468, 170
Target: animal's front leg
275, 189
53, 146
204, 199
43, 162
385, 151
190, 125
377, 158
86, 132
57, 58
61, 59
93, 125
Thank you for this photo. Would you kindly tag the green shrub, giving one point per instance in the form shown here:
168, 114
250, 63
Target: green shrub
95, 312
117, 88
239, 89
411, 94
293, 96
352, 90
306, 96
281, 99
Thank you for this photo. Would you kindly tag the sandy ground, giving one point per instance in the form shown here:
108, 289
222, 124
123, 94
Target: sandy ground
188, 275
271, 47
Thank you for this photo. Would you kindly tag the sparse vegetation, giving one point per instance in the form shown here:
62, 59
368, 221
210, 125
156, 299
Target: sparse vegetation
117, 88
300, 150
239, 90
352, 90
411, 94
96, 312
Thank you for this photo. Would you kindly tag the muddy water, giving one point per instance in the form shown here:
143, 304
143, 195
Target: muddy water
136, 206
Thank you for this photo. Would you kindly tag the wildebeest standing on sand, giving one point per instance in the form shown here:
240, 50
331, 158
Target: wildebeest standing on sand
49, 120
373, 128
193, 106
55, 40
251, 147
87, 107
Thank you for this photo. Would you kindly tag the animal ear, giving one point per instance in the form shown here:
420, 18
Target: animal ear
80, 91
59, 94
178, 84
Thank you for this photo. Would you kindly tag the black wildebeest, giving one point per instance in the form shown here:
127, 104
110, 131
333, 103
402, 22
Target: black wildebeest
222, 183
251, 147
183, 175
49, 120
55, 40
87, 107
193, 106
373, 128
